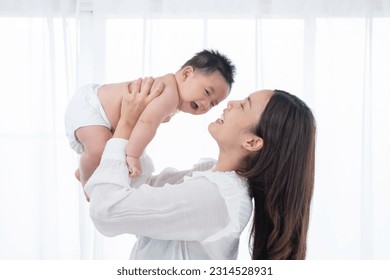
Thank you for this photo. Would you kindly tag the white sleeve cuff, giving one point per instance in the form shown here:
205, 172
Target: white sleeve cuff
115, 149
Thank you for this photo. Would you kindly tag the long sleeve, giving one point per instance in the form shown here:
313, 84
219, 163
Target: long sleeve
189, 208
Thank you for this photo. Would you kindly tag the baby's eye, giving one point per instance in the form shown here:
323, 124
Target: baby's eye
207, 92
242, 106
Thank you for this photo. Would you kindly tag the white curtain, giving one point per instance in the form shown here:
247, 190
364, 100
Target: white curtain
334, 54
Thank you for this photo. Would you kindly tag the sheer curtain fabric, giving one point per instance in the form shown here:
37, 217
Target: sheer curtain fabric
332, 54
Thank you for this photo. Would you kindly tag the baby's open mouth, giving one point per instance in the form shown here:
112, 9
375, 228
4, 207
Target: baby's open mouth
194, 105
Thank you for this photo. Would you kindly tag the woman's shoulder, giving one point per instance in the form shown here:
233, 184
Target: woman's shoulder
204, 164
225, 180
235, 193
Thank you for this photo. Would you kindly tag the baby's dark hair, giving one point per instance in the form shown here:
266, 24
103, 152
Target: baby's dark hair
210, 61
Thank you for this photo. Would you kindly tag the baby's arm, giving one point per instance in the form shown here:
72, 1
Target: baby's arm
144, 131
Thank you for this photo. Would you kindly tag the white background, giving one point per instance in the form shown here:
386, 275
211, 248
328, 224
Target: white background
333, 54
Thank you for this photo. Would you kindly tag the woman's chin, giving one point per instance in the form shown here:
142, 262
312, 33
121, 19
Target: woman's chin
213, 127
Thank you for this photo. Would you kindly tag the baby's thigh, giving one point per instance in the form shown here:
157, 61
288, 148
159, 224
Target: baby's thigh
93, 138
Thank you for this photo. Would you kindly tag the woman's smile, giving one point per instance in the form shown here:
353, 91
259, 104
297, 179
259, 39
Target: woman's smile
221, 119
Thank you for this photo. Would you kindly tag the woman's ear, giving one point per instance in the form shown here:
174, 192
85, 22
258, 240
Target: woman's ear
186, 72
253, 143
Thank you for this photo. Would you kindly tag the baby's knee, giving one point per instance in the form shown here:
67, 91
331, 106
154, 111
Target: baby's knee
93, 139
94, 150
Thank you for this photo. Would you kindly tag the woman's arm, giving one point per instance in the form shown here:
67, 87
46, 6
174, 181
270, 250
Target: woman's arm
191, 210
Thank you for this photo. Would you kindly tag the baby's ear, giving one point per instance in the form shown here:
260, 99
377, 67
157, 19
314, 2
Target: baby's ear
253, 143
186, 72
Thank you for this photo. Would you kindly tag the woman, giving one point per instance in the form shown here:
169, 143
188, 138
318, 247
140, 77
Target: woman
266, 153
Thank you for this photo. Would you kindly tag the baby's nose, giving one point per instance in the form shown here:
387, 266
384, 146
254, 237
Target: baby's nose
205, 105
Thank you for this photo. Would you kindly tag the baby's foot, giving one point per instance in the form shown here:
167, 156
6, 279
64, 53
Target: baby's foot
86, 196
77, 174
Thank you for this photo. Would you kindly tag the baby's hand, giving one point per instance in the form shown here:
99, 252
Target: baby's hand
134, 165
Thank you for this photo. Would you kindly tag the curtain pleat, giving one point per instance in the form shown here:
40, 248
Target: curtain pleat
333, 54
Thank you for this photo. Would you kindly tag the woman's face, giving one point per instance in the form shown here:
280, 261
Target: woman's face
238, 119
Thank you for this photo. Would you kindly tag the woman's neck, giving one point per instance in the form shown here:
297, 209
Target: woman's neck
228, 162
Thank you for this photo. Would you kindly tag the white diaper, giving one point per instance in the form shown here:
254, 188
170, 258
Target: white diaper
84, 109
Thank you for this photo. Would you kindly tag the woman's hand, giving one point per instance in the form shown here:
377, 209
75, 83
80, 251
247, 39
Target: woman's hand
134, 103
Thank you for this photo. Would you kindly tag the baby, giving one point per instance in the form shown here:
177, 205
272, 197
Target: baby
93, 113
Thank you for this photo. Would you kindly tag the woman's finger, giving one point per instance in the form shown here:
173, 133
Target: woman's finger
135, 88
146, 85
159, 87
144, 80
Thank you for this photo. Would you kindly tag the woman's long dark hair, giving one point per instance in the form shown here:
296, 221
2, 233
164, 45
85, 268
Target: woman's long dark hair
281, 179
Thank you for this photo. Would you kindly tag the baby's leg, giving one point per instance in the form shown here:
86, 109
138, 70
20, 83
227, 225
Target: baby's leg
94, 139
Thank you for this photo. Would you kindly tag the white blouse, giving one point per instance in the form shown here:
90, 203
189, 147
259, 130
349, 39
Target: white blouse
192, 214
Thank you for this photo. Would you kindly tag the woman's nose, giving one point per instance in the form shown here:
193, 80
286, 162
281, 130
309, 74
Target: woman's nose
230, 104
